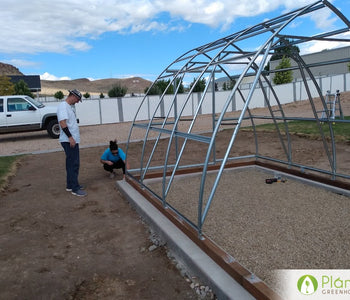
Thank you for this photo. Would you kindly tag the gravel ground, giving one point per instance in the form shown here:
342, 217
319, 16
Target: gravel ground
290, 225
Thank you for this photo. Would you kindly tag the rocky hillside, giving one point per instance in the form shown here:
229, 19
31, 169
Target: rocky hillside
6, 69
136, 85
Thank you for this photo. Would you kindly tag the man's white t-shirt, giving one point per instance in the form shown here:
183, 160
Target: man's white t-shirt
66, 112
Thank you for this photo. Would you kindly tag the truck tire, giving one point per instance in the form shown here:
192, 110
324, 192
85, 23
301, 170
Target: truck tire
53, 129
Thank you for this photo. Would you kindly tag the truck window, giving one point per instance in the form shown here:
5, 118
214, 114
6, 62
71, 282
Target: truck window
1, 105
17, 104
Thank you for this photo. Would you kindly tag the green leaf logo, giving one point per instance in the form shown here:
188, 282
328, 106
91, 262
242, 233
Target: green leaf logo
307, 284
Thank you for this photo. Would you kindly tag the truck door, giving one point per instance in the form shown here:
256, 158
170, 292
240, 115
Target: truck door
20, 112
2, 115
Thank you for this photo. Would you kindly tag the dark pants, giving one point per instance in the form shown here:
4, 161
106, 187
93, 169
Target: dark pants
117, 165
72, 165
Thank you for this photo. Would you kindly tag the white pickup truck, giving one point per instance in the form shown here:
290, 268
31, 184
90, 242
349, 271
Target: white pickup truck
22, 113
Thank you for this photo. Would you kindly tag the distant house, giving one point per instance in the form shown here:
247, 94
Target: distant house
33, 81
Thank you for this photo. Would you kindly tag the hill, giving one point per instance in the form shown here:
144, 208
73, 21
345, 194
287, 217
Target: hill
136, 85
6, 69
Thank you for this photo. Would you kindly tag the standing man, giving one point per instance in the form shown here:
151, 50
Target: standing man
70, 139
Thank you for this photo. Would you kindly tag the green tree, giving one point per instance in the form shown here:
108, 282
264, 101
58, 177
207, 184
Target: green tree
59, 95
283, 76
153, 90
86, 95
102, 96
6, 86
285, 49
181, 88
200, 85
160, 86
117, 91
21, 88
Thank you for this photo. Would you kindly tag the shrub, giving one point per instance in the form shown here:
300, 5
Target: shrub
117, 91
59, 95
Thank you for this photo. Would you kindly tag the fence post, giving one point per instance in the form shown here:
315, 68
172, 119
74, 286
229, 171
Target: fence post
100, 110
120, 109
344, 82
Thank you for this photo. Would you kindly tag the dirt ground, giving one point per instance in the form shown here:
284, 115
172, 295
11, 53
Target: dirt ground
56, 246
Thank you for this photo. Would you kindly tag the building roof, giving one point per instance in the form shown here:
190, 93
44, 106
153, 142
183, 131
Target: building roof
33, 81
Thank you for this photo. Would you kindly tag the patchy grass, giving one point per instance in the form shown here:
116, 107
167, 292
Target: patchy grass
7, 168
310, 129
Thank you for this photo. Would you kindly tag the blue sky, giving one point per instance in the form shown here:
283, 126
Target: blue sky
98, 39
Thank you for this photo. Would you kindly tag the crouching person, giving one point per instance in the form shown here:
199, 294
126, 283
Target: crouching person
113, 158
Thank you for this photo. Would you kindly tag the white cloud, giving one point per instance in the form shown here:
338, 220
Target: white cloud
19, 63
317, 46
64, 25
323, 19
48, 76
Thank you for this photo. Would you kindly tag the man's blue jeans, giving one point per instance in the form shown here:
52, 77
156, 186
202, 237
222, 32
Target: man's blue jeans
72, 165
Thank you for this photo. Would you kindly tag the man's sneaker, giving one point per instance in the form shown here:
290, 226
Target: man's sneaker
81, 187
79, 193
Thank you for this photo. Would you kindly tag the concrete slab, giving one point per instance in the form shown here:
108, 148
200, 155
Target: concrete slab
184, 249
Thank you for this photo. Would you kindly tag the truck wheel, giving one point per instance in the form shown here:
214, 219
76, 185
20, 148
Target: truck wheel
53, 129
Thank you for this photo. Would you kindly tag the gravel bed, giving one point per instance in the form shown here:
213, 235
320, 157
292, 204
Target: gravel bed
291, 225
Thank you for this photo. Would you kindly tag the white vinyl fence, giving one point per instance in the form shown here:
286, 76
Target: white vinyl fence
114, 110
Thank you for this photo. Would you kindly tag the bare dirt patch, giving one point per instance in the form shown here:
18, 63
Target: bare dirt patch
54, 245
